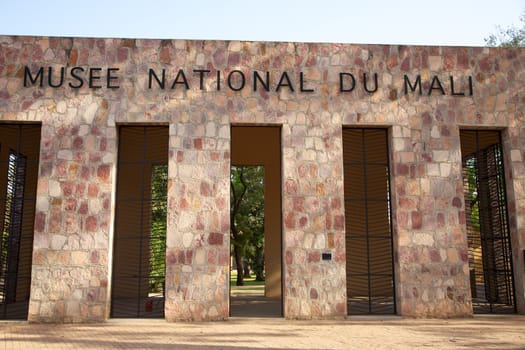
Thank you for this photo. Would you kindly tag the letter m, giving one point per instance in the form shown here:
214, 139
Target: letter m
29, 76
417, 84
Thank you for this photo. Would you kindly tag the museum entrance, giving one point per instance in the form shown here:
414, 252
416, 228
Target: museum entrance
19, 155
369, 254
490, 253
255, 222
139, 251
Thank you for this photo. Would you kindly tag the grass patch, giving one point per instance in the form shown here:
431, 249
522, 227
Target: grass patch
247, 281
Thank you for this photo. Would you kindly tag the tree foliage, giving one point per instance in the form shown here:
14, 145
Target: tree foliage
508, 37
247, 219
473, 198
159, 193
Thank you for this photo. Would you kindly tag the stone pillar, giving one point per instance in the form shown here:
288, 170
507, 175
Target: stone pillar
429, 218
513, 150
73, 214
198, 231
313, 215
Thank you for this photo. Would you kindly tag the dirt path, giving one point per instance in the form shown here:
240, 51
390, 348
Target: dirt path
271, 334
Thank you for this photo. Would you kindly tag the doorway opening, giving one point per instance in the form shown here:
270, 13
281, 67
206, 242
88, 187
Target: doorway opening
369, 248
247, 275
255, 217
490, 253
19, 155
139, 251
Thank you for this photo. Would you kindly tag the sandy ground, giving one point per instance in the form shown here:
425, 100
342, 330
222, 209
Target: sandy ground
488, 332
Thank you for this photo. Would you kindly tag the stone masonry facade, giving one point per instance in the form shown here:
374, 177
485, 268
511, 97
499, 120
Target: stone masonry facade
423, 95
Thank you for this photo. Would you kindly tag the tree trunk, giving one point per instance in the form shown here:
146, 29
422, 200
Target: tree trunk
246, 270
259, 266
238, 262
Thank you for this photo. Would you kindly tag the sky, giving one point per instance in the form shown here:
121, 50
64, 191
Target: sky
408, 22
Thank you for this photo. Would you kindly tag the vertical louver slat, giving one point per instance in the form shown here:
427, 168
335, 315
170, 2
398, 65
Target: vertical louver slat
490, 264
15, 203
369, 264
140, 223
19, 151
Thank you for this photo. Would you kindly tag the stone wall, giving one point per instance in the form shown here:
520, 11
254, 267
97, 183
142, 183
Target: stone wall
460, 88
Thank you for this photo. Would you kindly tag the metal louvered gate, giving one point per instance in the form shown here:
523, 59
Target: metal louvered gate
19, 154
490, 257
140, 223
369, 254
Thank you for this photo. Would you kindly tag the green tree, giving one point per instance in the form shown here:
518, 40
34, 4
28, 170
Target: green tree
159, 193
471, 170
247, 219
508, 37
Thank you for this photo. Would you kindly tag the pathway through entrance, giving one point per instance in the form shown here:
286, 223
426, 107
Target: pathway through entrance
249, 301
